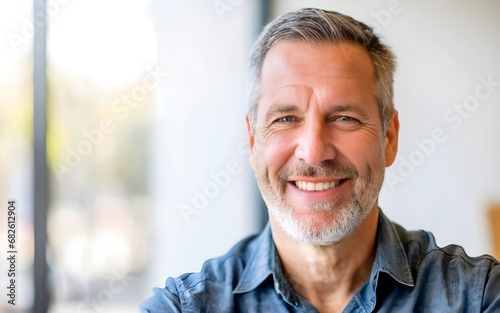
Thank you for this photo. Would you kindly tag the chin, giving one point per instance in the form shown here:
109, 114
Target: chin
318, 228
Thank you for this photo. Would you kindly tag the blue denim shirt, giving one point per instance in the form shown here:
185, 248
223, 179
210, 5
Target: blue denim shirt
410, 274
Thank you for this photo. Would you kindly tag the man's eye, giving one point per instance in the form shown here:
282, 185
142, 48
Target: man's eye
346, 122
345, 119
286, 119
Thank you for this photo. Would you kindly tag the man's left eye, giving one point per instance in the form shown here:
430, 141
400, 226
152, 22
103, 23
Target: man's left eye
345, 119
285, 119
346, 122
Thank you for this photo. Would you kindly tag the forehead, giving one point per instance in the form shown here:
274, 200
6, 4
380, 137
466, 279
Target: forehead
346, 57
293, 70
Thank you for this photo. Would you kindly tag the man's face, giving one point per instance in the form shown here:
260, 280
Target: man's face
317, 148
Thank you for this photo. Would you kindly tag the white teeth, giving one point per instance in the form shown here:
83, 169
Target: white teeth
316, 186
319, 186
310, 186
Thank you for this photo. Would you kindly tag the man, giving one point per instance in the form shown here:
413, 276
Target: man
322, 128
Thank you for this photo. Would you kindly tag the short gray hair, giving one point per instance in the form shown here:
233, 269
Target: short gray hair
321, 26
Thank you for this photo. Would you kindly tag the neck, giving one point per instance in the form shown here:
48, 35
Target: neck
329, 276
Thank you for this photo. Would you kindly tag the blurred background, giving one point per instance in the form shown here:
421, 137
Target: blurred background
147, 171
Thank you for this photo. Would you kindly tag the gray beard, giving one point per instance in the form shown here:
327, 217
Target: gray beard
346, 221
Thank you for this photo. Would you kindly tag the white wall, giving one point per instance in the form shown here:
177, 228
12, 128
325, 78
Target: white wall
200, 133
445, 48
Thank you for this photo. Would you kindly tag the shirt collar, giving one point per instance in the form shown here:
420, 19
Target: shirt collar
261, 263
390, 258
391, 255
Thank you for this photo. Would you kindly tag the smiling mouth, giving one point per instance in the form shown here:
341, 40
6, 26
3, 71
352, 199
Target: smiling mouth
310, 186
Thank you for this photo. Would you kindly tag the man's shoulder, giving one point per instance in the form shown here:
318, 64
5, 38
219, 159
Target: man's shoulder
211, 288
424, 254
421, 244
430, 277
223, 268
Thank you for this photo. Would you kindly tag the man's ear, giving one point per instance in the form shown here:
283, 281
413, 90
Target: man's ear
251, 139
391, 139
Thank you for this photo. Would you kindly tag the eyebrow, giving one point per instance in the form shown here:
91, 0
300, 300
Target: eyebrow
279, 108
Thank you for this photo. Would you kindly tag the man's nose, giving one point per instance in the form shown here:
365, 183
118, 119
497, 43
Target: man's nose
315, 144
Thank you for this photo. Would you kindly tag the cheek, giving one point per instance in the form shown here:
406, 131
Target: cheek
361, 151
273, 153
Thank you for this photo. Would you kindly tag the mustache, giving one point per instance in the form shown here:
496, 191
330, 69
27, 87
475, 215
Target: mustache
328, 168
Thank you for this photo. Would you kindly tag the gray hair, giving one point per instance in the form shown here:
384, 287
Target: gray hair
320, 26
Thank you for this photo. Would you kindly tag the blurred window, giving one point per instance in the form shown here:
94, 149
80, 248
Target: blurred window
101, 71
16, 175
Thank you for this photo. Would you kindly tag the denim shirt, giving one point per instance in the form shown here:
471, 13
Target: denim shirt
410, 274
